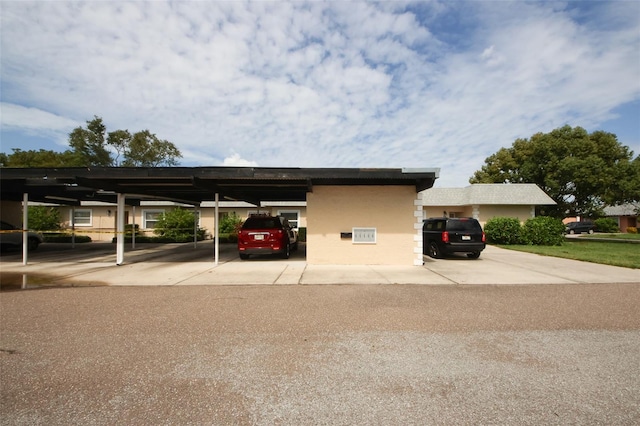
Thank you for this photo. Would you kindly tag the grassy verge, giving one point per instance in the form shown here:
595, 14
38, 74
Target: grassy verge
630, 237
616, 254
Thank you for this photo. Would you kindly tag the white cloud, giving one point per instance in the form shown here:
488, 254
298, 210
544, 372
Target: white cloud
235, 161
322, 84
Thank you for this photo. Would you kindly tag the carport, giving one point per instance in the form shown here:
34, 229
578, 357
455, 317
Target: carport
193, 185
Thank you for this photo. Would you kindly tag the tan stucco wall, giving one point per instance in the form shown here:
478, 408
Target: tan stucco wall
11, 212
335, 209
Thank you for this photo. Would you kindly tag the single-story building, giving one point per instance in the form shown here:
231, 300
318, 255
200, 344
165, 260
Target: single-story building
485, 201
625, 214
353, 216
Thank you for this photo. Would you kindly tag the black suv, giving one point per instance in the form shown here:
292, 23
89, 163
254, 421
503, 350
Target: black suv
442, 236
267, 235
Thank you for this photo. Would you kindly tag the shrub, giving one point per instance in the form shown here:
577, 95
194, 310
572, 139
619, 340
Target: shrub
632, 230
302, 234
606, 224
503, 230
230, 224
66, 238
177, 226
543, 231
43, 218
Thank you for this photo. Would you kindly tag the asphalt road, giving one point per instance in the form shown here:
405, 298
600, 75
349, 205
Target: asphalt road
331, 354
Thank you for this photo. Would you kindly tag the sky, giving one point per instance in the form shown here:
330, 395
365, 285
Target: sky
429, 84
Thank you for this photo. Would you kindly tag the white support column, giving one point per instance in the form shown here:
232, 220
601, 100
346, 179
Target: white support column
133, 233
73, 226
25, 225
216, 231
195, 227
120, 229
476, 211
417, 238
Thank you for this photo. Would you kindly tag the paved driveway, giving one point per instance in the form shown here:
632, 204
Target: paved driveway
184, 264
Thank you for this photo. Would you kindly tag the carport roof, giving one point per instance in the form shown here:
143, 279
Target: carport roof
193, 185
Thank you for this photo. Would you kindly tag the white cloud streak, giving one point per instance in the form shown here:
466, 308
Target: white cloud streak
337, 84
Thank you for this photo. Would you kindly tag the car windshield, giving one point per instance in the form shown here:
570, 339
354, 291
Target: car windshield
261, 223
464, 225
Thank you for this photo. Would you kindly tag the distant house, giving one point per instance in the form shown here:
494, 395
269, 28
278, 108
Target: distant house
485, 201
626, 215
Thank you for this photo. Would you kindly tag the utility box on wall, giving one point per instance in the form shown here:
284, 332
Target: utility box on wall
361, 225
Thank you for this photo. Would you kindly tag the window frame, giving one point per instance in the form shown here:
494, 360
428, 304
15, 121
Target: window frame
297, 221
145, 220
73, 218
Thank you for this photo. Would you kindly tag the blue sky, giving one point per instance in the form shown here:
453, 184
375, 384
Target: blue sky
321, 84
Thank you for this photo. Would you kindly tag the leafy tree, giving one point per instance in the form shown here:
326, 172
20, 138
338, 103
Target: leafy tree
93, 146
177, 225
581, 172
40, 158
146, 150
230, 224
90, 143
43, 218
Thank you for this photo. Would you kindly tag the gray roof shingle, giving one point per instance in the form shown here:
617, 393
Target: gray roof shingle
487, 193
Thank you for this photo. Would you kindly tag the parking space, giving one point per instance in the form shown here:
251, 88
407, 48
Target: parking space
186, 264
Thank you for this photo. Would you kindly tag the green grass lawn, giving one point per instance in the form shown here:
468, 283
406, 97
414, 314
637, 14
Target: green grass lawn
613, 236
616, 254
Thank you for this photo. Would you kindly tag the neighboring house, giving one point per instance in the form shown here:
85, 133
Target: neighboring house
485, 201
98, 219
626, 215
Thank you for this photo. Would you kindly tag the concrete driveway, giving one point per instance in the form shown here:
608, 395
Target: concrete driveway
457, 352
184, 264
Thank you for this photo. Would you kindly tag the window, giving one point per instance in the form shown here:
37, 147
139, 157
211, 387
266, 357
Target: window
150, 218
293, 216
81, 217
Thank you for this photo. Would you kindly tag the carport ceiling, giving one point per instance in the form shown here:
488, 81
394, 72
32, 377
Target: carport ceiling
192, 185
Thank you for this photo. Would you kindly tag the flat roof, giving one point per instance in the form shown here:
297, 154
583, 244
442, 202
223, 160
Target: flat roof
193, 185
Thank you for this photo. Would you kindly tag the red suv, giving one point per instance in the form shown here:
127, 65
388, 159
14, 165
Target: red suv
267, 235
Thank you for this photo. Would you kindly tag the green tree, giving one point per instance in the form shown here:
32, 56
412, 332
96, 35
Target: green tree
177, 225
582, 172
90, 143
146, 150
93, 146
43, 218
230, 224
40, 158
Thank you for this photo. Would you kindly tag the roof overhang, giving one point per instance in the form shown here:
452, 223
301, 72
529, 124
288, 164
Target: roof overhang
193, 185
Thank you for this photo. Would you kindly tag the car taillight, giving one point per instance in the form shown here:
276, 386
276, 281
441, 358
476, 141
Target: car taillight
484, 238
445, 237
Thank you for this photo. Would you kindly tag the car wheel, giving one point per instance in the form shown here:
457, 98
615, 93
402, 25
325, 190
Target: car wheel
591, 231
32, 244
286, 253
244, 256
473, 255
572, 232
434, 251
